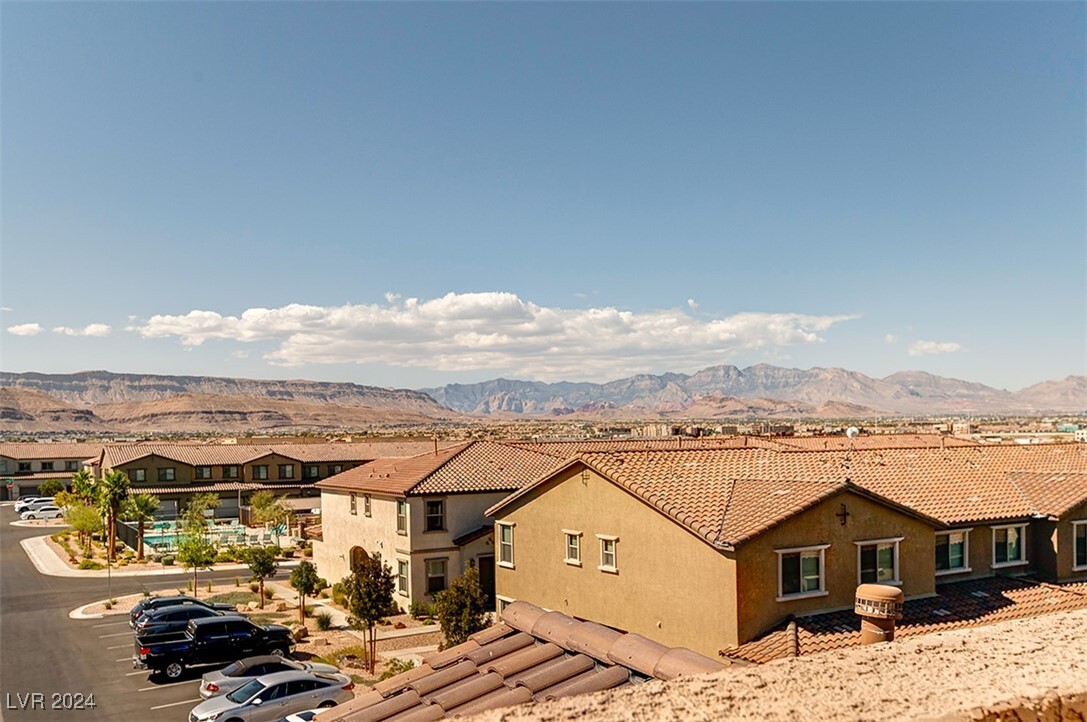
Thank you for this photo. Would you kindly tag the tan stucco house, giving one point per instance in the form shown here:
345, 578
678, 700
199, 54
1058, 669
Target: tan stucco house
424, 515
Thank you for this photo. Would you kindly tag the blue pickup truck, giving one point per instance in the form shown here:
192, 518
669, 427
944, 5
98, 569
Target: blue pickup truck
212, 640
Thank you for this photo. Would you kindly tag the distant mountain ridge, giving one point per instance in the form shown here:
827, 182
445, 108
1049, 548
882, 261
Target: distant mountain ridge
816, 391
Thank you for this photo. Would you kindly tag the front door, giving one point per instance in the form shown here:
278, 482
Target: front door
486, 579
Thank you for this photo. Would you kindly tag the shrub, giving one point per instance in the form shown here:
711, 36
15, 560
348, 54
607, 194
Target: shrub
208, 587
288, 553
322, 583
339, 595
307, 552
323, 619
234, 598
224, 557
396, 666
109, 604
268, 593
90, 564
254, 587
421, 610
167, 561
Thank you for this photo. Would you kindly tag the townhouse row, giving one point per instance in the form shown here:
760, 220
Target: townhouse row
709, 547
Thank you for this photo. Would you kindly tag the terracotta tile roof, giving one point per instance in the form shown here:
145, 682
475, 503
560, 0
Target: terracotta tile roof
532, 655
33, 452
957, 605
568, 449
875, 441
220, 486
475, 466
220, 454
727, 496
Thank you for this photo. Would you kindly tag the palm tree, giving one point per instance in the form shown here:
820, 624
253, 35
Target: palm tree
112, 493
141, 509
83, 483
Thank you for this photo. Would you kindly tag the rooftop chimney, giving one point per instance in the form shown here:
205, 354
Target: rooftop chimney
878, 605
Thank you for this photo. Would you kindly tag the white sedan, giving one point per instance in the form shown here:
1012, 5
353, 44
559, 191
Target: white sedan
46, 512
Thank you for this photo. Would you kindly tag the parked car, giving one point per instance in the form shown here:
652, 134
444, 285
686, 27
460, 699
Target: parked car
38, 503
175, 619
150, 603
22, 504
45, 512
306, 716
229, 678
272, 697
214, 640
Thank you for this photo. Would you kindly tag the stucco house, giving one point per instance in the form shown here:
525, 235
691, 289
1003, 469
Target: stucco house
740, 539
424, 515
23, 466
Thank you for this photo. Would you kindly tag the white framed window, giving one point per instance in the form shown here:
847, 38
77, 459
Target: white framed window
877, 561
435, 575
573, 547
609, 553
402, 577
1009, 545
366, 508
505, 544
354, 504
953, 551
801, 572
503, 602
1079, 546
401, 516
434, 515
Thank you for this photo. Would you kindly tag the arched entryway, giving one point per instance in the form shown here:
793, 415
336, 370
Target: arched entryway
358, 555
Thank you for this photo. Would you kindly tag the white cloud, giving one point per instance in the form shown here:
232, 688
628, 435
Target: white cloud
890, 338
924, 348
493, 330
99, 330
6, 309
239, 354
692, 304
25, 329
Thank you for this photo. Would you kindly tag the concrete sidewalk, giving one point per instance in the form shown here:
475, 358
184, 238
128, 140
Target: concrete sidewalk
49, 564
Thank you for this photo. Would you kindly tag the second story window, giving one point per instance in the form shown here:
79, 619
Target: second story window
24, 466
139, 475
71, 466
260, 472
573, 547
168, 473
311, 471
354, 504
286, 471
505, 545
401, 517
800, 572
230, 471
1009, 545
1079, 546
435, 515
609, 557
47, 466
952, 551
203, 472
366, 504
334, 469
877, 561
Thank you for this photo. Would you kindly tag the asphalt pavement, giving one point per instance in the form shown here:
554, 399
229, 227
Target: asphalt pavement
50, 664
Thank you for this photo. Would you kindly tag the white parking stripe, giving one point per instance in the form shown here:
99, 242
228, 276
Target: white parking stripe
118, 634
175, 704
138, 671
111, 624
172, 685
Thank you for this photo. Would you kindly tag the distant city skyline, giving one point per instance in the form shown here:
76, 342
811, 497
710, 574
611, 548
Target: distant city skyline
411, 195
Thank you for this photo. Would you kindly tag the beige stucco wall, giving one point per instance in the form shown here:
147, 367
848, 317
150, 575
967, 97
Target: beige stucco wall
757, 562
671, 586
1065, 545
342, 531
183, 473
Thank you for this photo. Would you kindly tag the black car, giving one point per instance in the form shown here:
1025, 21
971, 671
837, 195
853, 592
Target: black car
149, 603
174, 619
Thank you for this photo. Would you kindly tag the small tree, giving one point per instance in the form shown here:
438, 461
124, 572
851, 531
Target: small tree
461, 608
141, 509
262, 564
305, 581
268, 508
112, 493
84, 486
195, 551
369, 595
195, 519
50, 487
84, 520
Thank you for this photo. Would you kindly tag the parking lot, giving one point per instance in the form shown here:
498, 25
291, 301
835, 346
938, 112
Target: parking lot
49, 662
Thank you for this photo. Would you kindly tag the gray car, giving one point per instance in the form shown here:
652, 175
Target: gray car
232, 676
272, 697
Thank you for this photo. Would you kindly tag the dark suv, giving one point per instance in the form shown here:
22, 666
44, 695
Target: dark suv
174, 619
151, 603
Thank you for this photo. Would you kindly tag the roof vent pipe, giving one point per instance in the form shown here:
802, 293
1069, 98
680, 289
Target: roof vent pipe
878, 605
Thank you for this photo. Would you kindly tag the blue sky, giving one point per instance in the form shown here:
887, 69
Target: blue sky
415, 194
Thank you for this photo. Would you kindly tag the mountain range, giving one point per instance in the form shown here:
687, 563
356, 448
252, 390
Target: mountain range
101, 401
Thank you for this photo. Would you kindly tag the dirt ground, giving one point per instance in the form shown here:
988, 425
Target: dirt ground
936, 676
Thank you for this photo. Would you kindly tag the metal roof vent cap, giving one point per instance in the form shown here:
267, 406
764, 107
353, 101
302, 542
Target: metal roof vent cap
878, 605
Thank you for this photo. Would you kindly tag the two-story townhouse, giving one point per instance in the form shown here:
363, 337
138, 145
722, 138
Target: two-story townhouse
23, 466
176, 471
423, 514
742, 539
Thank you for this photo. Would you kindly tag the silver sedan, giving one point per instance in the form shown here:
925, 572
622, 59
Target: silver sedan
272, 697
232, 676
